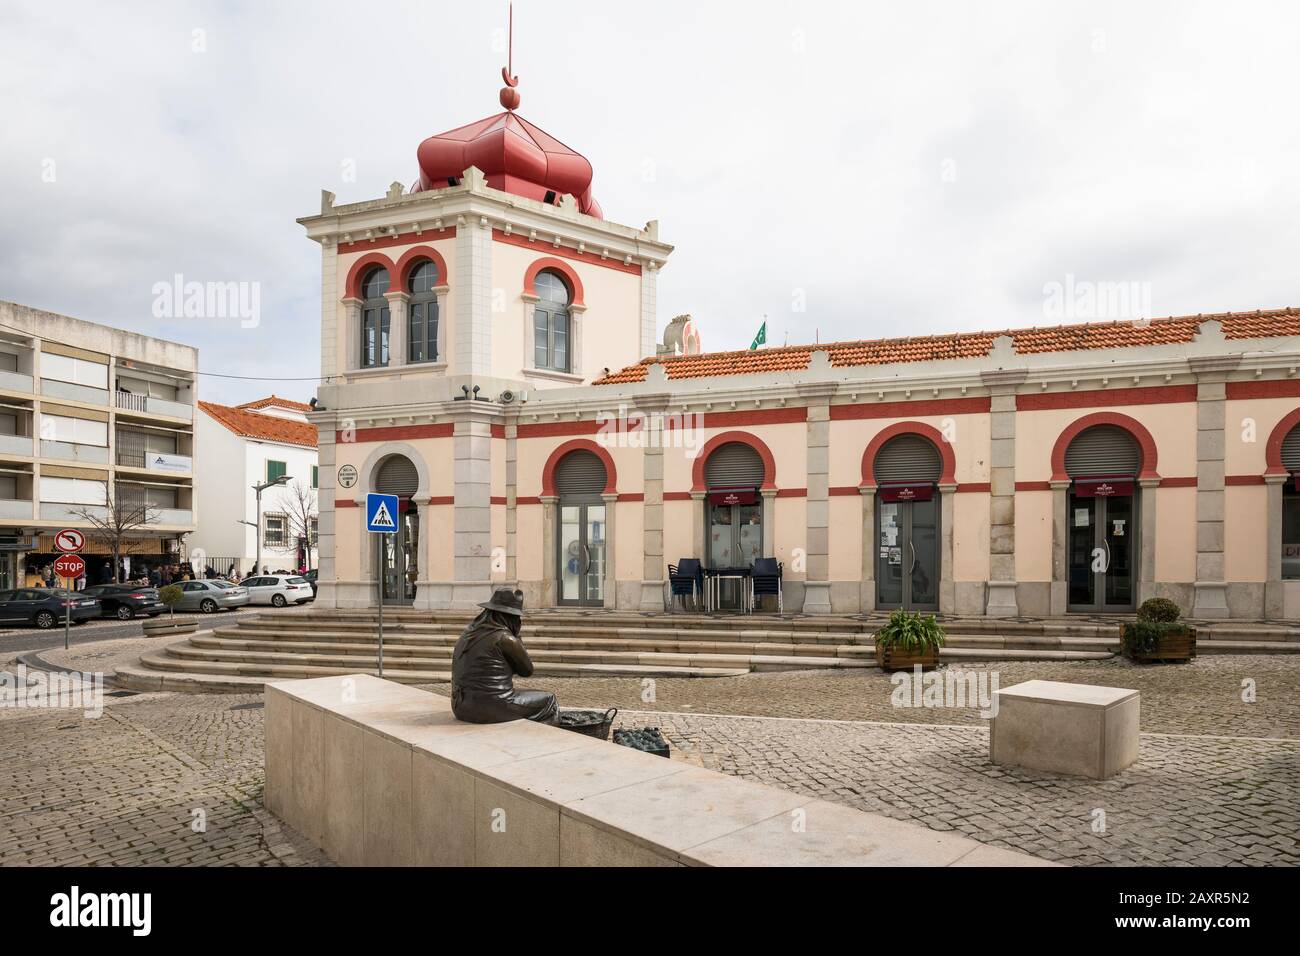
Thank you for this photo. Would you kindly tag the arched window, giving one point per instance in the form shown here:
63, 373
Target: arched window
422, 314
551, 325
1291, 506
374, 318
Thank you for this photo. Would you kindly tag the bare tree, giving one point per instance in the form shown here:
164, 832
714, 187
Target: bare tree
115, 521
299, 504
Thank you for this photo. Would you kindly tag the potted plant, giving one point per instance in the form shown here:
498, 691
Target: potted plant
1158, 634
171, 596
908, 639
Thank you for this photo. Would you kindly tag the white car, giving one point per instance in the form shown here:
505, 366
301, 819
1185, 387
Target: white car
278, 590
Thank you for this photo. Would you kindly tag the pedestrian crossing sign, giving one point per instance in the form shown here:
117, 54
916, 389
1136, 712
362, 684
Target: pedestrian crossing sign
381, 513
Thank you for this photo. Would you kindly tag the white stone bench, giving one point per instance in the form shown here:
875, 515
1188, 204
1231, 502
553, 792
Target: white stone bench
1075, 729
377, 773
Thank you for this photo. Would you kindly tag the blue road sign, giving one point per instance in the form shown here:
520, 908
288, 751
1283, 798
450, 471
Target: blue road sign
381, 513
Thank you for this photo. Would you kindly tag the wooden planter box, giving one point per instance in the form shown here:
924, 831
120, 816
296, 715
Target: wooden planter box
163, 627
1176, 646
890, 659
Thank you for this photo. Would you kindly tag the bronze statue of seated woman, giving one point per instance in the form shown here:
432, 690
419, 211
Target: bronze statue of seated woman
487, 657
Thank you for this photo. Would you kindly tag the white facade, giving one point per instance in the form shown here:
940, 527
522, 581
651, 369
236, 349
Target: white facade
229, 466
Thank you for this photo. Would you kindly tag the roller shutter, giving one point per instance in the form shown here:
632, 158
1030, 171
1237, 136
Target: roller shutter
1291, 450
397, 476
1103, 450
734, 465
580, 473
908, 458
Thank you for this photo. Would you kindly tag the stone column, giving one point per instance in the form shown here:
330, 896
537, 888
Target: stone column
817, 588
327, 459
1001, 598
1147, 542
473, 292
512, 500
611, 581
769, 522
443, 318
699, 526
424, 587
867, 584
472, 487
1211, 596
329, 332
1060, 596
550, 596
397, 328
352, 334
652, 575
947, 587
1274, 602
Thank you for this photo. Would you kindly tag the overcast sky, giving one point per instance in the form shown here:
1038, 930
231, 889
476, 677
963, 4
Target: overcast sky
850, 170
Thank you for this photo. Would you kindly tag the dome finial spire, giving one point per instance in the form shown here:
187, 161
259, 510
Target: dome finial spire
510, 95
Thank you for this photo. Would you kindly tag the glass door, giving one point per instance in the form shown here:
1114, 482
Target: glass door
735, 541
1100, 553
399, 556
582, 555
907, 554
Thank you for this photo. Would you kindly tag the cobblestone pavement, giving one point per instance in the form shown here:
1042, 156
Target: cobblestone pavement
1216, 783
123, 788
1201, 697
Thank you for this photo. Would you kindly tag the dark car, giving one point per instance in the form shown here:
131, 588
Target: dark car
45, 607
125, 601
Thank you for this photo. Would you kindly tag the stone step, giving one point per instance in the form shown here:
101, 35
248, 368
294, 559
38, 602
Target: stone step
232, 638
545, 662
1246, 647
957, 654
1029, 642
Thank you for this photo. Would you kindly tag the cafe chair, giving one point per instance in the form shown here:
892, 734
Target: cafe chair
767, 580
685, 578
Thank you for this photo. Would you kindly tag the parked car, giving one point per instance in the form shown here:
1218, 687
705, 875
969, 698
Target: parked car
209, 596
125, 601
45, 607
279, 590
313, 574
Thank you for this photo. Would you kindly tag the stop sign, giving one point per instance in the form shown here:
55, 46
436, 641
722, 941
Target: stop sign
69, 566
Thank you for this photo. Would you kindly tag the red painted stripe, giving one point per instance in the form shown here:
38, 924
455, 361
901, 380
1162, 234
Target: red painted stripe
557, 429
498, 500
974, 486
677, 496
522, 500
1106, 398
844, 490
498, 431
547, 248
398, 432
1178, 482
443, 500
758, 416
792, 493
926, 406
405, 239
1267, 388
1235, 480
345, 503
632, 496
1033, 486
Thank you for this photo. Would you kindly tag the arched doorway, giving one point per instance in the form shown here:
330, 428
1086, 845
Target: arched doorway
907, 469
582, 545
1103, 463
1291, 506
733, 475
399, 553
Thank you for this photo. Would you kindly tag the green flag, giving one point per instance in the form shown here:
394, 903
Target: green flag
761, 337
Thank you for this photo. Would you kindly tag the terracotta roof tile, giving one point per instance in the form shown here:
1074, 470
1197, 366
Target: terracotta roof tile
1062, 338
262, 427
278, 402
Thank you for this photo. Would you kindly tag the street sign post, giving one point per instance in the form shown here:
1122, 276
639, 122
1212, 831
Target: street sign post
381, 518
69, 567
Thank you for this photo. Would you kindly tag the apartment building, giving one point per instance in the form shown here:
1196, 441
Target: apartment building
94, 421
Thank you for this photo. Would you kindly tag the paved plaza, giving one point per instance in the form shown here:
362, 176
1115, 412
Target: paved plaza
1216, 782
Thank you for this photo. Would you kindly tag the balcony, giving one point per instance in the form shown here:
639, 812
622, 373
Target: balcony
57, 511
16, 382
161, 462
67, 451
146, 405
175, 516
50, 388
16, 445
15, 509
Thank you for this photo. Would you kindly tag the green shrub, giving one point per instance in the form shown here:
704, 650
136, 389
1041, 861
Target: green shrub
912, 632
1159, 611
171, 596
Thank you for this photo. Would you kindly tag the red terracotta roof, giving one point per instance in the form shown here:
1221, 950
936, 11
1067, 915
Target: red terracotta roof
248, 424
1062, 338
278, 402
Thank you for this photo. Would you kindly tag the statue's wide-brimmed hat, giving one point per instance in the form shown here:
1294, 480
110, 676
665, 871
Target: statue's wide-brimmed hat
506, 601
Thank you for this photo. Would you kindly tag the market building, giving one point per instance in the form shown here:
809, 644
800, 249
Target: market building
489, 352
92, 419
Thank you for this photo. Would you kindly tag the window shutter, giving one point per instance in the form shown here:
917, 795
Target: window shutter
580, 473
1103, 450
908, 458
397, 476
1291, 450
734, 465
